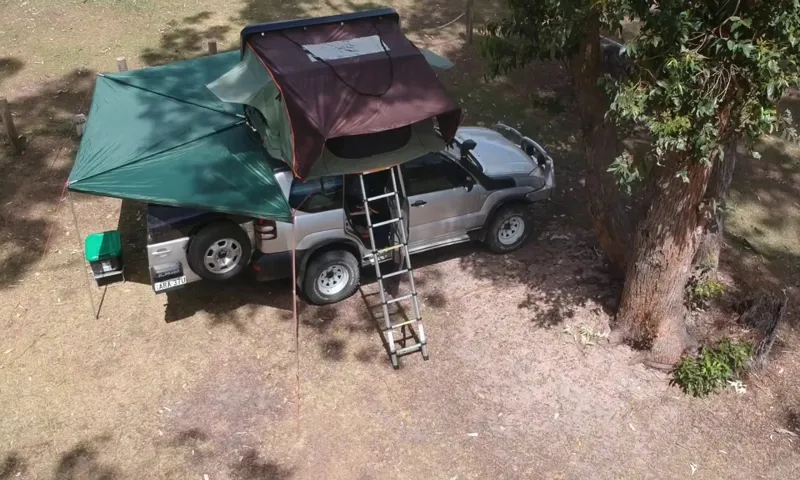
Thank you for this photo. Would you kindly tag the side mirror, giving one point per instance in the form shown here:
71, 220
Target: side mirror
467, 146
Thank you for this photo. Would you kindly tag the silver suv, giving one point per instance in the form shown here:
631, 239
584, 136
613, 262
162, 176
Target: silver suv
479, 187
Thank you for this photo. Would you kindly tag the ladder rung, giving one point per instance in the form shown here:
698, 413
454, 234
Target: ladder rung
387, 222
398, 325
406, 338
385, 195
389, 249
399, 299
394, 274
412, 348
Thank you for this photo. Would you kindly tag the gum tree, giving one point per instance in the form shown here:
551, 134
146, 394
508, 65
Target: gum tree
703, 76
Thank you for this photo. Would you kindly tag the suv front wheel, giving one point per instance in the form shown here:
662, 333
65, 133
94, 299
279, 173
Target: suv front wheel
508, 229
331, 277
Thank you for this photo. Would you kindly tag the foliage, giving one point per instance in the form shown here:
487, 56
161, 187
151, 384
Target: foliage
545, 30
699, 291
706, 73
715, 368
702, 72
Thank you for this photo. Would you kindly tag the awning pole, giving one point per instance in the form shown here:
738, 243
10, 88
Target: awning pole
296, 318
95, 312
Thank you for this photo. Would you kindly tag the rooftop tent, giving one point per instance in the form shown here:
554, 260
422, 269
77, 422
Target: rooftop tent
249, 84
345, 77
159, 135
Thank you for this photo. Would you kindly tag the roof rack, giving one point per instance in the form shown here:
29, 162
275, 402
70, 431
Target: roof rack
251, 30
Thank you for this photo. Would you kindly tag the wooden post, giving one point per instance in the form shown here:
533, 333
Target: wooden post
212, 47
80, 124
470, 19
122, 64
8, 122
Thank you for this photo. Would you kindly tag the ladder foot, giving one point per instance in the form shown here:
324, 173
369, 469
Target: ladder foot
395, 362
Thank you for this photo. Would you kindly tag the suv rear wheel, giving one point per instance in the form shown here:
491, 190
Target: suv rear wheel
219, 251
331, 277
508, 229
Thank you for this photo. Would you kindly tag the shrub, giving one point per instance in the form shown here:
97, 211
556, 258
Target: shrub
712, 369
700, 292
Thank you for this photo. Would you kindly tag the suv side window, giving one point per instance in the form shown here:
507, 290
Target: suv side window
317, 195
433, 172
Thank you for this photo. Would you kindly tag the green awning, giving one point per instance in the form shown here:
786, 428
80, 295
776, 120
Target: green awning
159, 135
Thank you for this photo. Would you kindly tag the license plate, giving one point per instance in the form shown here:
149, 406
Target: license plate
168, 284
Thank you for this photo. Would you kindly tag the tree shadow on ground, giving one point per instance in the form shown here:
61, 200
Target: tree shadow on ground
31, 183
82, 462
763, 233
185, 38
12, 465
252, 467
9, 66
200, 448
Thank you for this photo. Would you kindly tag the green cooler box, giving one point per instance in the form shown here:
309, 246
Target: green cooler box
104, 254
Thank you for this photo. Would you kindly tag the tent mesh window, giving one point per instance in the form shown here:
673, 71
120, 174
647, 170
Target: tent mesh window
369, 144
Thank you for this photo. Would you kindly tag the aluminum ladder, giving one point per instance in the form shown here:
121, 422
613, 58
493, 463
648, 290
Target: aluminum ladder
398, 245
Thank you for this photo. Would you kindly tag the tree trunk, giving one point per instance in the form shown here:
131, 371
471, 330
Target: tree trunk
609, 220
651, 314
706, 259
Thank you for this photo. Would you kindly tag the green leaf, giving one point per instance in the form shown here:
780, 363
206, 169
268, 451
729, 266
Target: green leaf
731, 45
772, 65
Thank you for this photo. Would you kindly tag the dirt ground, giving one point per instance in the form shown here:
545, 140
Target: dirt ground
203, 382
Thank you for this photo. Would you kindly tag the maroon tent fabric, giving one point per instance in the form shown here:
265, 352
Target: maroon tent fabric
351, 92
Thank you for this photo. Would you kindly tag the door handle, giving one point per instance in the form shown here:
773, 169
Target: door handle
419, 203
161, 252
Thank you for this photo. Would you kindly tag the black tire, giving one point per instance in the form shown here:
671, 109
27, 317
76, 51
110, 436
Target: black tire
505, 219
207, 241
327, 262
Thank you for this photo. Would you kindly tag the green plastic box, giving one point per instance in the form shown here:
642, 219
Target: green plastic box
104, 253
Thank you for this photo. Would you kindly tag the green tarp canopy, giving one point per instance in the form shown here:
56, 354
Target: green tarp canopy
159, 135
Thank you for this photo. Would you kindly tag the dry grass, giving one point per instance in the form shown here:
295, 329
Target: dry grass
202, 382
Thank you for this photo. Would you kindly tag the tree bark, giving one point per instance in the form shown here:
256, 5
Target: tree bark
609, 220
651, 314
706, 259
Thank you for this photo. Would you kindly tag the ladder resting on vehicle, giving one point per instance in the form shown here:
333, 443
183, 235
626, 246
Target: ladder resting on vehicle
400, 236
